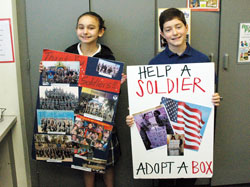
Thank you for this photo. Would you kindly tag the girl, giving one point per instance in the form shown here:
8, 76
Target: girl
90, 27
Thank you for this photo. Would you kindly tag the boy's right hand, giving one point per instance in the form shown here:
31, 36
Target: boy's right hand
130, 120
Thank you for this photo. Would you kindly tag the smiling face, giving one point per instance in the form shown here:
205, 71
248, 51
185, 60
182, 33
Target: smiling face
88, 29
174, 31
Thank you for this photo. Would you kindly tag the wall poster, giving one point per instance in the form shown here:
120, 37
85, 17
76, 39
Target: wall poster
244, 43
174, 120
204, 5
6, 42
161, 40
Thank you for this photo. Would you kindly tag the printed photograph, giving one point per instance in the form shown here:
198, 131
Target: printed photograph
55, 122
60, 72
154, 126
80, 149
96, 165
91, 133
58, 97
107, 69
175, 145
97, 104
53, 148
104, 68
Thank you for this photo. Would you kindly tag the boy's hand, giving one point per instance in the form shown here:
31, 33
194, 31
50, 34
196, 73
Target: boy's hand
216, 99
130, 121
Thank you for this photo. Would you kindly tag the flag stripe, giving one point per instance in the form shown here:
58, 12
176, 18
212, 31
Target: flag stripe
192, 140
190, 109
195, 115
191, 147
181, 117
192, 134
192, 115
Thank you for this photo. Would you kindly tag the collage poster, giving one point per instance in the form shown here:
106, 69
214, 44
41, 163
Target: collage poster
244, 43
76, 108
174, 120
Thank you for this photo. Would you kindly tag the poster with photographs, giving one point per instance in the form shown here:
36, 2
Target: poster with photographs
53, 148
97, 105
58, 97
102, 75
161, 41
204, 5
55, 122
154, 126
73, 135
244, 43
91, 132
173, 133
60, 72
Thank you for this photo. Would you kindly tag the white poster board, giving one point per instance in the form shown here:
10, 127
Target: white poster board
181, 94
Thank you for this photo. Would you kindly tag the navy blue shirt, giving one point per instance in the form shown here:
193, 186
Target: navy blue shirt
190, 55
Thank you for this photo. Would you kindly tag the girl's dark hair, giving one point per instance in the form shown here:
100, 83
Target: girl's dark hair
101, 21
169, 14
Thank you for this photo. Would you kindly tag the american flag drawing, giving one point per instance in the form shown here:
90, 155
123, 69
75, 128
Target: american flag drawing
187, 119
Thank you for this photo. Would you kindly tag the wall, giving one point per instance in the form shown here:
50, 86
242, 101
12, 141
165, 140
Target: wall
130, 33
11, 98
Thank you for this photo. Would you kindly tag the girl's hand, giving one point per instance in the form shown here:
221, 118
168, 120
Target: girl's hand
124, 77
129, 121
41, 67
216, 99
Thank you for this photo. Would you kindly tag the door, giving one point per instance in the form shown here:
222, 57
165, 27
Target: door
50, 24
231, 162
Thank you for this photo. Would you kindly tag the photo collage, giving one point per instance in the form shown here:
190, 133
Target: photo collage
74, 123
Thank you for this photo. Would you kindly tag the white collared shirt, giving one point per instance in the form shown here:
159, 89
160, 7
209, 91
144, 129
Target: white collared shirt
80, 52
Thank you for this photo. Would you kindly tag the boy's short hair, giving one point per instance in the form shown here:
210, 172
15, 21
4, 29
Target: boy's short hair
169, 14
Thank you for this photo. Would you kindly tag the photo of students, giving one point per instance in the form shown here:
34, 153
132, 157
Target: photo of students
107, 69
58, 97
53, 147
97, 105
60, 72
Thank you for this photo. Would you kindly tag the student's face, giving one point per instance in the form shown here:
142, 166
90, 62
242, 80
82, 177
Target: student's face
88, 30
174, 31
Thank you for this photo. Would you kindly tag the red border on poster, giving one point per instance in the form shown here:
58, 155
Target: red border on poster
11, 38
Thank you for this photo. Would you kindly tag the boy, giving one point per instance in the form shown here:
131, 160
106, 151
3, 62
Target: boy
174, 30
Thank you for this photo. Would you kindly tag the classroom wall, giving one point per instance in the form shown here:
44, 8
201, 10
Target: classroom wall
131, 34
131, 27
